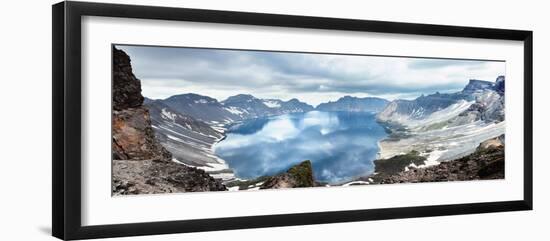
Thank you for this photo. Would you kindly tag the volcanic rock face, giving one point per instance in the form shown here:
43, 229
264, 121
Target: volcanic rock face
133, 137
126, 87
487, 162
300, 175
140, 163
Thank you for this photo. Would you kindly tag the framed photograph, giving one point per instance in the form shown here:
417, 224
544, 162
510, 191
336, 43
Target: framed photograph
171, 120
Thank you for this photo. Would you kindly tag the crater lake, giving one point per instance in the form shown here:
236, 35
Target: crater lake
340, 145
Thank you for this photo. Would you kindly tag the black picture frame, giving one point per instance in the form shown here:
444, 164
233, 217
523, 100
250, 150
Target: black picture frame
66, 128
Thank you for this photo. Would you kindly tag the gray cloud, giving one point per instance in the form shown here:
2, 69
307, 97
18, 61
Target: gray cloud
166, 71
440, 63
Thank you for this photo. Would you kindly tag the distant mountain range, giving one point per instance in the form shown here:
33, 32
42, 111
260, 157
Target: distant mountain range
244, 106
479, 100
355, 104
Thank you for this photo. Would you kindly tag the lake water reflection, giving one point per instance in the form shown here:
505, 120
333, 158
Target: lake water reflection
340, 145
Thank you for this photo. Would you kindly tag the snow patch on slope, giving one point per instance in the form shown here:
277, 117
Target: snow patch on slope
169, 115
272, 103
441, 115
235, 110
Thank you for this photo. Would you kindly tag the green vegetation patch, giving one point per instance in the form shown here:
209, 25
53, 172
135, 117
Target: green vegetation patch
398, 163
302, 174
437, 126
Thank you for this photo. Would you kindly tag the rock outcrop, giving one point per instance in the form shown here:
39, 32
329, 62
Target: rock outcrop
140, 163
126, 87
150, 177
133, 137
300, 175
487, 162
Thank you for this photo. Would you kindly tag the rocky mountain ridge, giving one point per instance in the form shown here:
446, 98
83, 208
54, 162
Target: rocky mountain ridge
484, 95
244, 106
445, 126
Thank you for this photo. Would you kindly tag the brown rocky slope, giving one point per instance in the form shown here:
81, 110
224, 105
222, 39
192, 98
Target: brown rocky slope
487, 162
140, 164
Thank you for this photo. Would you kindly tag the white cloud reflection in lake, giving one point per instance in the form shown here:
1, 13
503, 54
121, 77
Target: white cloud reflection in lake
340, 145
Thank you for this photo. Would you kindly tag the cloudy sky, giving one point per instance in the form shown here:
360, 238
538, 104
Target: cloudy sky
313, 78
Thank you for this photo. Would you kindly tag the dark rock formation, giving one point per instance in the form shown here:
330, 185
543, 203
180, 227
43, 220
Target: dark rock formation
499, 85
140, 163
487, 162
126, 87
300, 175
133, 137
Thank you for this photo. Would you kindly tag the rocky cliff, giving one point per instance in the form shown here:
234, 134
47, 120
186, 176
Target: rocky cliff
300, 175
487, 162
133, 137
140, 163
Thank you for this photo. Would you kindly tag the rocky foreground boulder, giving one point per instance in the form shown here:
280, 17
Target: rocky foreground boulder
133, 137
140, 163
149, 176
300, 175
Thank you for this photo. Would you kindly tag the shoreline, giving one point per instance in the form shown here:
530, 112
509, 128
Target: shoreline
441, 145
399, 141
343, 181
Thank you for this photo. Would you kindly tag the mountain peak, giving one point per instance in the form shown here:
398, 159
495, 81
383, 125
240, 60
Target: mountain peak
240, 98
475, 85
347, 97
249, 96
191, 96
356, 104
